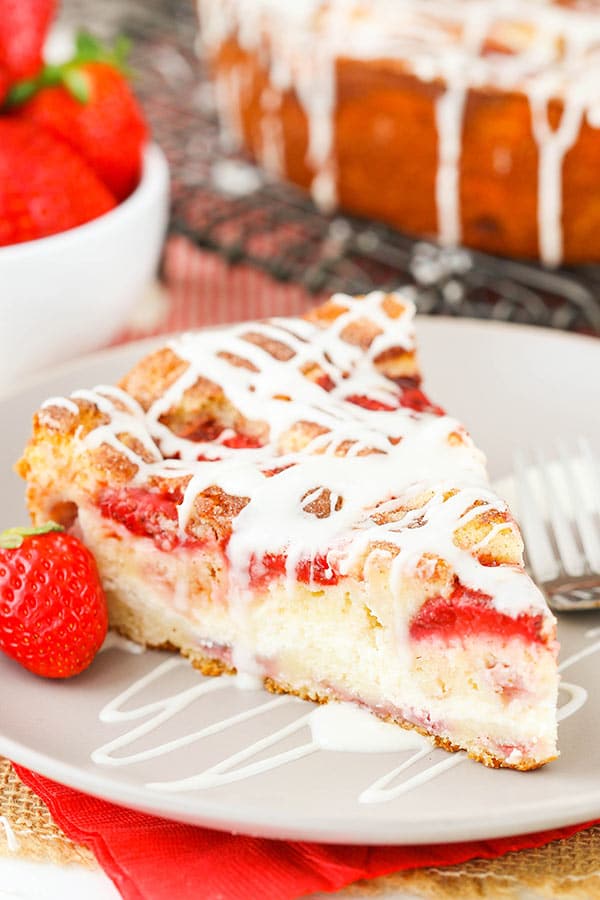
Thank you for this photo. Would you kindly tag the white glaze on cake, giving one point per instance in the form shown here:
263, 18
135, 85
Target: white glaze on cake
348, 495
548, 51
404, 453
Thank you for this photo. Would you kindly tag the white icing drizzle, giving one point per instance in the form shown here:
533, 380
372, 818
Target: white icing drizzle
577, 698
129, 421
340, 727
545, 50
334, 727
272, 150
449, 114
346, 728
552, 148
371, 465
494, 531
577, 657
63, 402
11, 838
57, 403
230, 770
161, 711
228, 94
577, 694
245, 682
379, 792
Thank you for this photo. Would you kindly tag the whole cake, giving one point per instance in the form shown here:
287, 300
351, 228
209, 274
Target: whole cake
476, 121
280, 498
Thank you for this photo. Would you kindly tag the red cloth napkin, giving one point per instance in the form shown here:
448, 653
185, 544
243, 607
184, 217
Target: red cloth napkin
153, 859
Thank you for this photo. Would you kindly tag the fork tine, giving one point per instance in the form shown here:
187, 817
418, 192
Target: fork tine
560, 518
541, 554
592, 477
586, 528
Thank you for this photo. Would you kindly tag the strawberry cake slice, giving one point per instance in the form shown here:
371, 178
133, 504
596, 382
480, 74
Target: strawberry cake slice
280, 498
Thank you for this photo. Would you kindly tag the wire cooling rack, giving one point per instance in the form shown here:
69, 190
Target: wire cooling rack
220, 201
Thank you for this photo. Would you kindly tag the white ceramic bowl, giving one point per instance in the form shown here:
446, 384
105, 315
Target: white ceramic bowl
70, 293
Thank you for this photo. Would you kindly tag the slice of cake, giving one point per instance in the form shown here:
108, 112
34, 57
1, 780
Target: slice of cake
281, 498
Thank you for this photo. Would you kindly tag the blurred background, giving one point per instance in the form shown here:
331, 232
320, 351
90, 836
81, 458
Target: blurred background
225, 213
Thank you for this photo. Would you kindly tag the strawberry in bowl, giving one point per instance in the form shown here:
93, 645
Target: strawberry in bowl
83, 195
24, 25
45, 187
86, 137
86, 103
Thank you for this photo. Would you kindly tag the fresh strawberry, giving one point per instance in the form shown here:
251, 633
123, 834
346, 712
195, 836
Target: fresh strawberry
45, 187
88, 102
4, 82
23, 28
53, 616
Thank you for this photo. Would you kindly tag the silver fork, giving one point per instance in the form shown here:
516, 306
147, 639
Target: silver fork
558, 508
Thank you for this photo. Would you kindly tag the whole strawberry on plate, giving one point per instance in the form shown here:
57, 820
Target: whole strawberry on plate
88, 103
53, 616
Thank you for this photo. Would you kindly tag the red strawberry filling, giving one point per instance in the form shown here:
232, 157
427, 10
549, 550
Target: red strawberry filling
210, 431
464, 613
414, 398
144, 513
409, 398
154, 515
325, 382
370, 403
467, 613
242, 442
308, 571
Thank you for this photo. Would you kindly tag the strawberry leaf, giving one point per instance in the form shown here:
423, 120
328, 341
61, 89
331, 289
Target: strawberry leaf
121, 51
77, 84
21, 92
87, 49
11, 538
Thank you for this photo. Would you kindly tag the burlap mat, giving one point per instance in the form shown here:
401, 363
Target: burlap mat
567, 869
30, 823
564, 870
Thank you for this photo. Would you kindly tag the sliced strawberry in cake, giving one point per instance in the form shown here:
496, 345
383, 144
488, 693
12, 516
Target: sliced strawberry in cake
282, 499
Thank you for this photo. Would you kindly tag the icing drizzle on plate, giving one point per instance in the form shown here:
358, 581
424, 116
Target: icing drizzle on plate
334, 727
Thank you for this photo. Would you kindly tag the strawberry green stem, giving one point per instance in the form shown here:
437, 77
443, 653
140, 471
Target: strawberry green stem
11, 538
69, 73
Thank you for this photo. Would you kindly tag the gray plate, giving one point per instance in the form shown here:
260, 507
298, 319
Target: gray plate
512, 385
